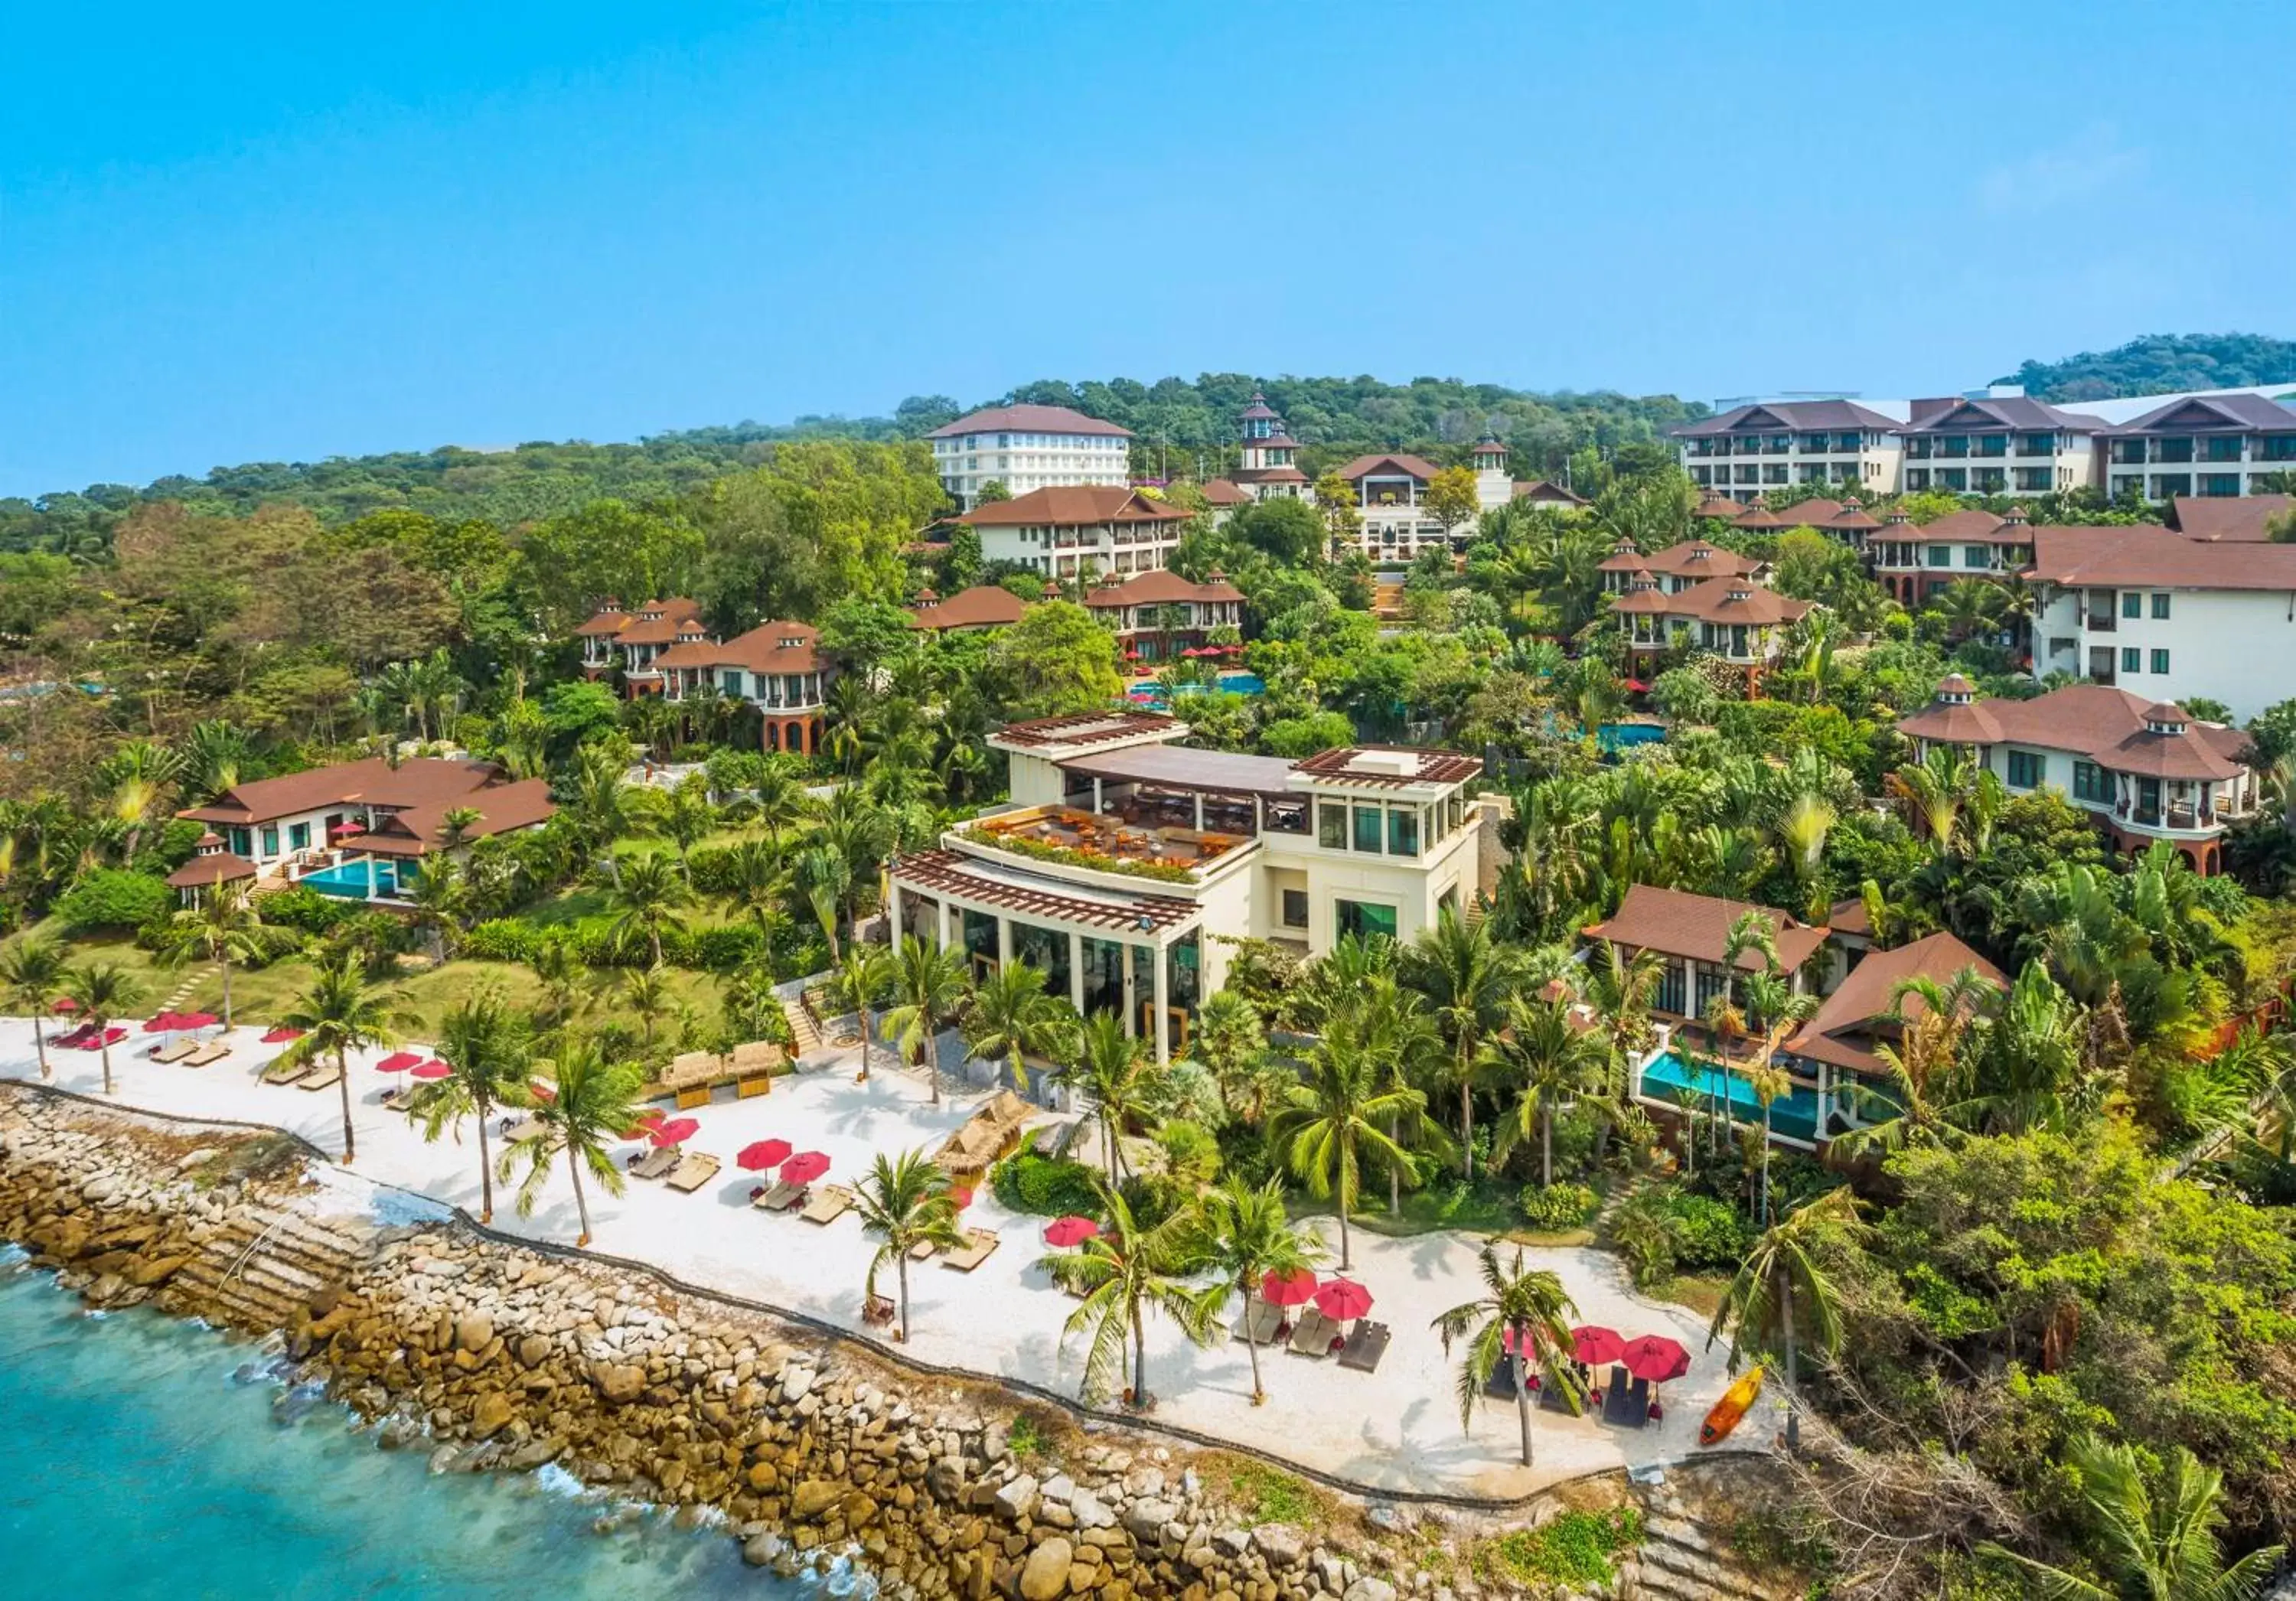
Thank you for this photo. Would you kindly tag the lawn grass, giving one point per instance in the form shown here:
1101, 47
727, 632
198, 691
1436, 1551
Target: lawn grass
1477, 1209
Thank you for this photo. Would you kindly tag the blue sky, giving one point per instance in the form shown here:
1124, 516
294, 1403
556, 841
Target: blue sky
255, 234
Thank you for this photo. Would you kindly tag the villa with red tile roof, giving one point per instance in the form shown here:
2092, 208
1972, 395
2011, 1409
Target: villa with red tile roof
775, 669
1075, 532
614, 638
1154, 613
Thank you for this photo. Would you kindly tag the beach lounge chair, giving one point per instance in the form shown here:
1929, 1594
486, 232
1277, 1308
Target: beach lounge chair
1313, 1336
207, 1054
325, 1076
1261, 1321
176, 1052
1551, 1398
656, 1164
753, 1065
1500, 1385
829, 1205
1365, 1347
778, 1197
285, 1069
1619, 1400
923, 1250
694, 1171
977, 1244
1638, 1405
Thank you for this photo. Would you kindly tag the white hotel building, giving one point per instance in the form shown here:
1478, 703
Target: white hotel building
1027, 447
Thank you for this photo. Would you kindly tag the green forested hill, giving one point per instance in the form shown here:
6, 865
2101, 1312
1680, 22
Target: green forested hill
2160, 363
1175, 421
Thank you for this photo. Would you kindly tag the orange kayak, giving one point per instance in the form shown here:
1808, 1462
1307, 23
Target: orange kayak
1736, 1401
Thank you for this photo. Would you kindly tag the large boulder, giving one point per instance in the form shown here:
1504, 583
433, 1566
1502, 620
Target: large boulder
492, 1413
473, 1331
1046, 1577
1018, 1499
1281, 1544
620, 1382
814, 1497
1147, 1518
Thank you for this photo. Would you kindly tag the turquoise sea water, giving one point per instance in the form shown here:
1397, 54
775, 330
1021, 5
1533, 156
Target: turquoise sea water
143, 1457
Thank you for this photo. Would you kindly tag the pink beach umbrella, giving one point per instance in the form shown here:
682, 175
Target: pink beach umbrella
1065, 1234
1655, 1357
1592, 1345
765, 1153
1294, 1288
1342, 1300
676, 1131
805, 1167
398, 1062
282, 1035
433, 1069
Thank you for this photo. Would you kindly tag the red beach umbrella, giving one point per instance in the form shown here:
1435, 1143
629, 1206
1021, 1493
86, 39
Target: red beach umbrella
1065, 1234
1592, 1345
195, 1020
166, 1023
805, 1167
675, 1132
765, 1153
398, 1062
282, 1035
1288, 1289
432, 1069
1655, 1357
1342, 1301
64, 1006
544, 1092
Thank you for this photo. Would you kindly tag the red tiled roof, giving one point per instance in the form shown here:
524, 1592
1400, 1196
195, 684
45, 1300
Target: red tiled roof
1158, 586
1363, 466
1086, 727
1803, 513
1848, 918
1699, 558
1072, 506
761, 650
419, 781
1546, 489
1719, 505
1435, 767
944, 871
1027, 419
2240, 518
1734, 600
502, 808
1789, 416
982, 606
2240, 414
1835, 1034
2097, 721
1221, 491
1675, 922
619, 621
1268, 475
2144, 555
206, 872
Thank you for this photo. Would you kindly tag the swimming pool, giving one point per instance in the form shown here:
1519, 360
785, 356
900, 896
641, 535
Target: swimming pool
1614, 737
1238, 683
347, 881
1666, 1077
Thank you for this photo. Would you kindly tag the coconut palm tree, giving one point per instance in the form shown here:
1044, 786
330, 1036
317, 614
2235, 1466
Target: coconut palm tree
1110, 1068
1620, 986
441, 897
648, 893
929, 983
1324, 1127
1465, 976
225, 928
646, 992
1529, 1311
337, 1014
1929, 1103
826, 878
780, 799
488, 1050
1784, 1274
1010, 1016
1549, 1062
1404, 1042
903, 1202
1232, 1044
105, 992
1247, 1235
863, 979
591, 1103
1122, 1273
33, 972
2160, 1543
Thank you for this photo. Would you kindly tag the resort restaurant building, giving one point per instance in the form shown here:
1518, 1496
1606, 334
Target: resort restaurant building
1124, 859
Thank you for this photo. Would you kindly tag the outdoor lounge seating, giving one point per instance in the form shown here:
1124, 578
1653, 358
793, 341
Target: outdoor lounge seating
1551, 1398
325, 1076
778, 1197
656, 1164
1500, 1385
1619, 1400
525, 1128
831, 1204
979, 1242
1638, 1404
694, 1171
1314, 1334
177, 1052
1365, 1347
285, 1069
1261, 1321
207, 1054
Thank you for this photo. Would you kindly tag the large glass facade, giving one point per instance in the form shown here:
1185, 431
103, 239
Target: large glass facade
1103, 977
1364, 919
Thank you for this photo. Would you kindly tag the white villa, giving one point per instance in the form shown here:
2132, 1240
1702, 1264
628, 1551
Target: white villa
1124, 860
1027, 447
1066, 533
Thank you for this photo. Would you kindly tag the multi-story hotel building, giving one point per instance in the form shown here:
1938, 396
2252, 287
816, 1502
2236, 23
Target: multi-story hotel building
1270, 467
1079, 532
1916, 561
1749, 449
1027, 447
1124, 863
776, 668
1153, 612
2210, 446
2008, 445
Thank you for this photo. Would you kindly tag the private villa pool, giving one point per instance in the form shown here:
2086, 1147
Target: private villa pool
349, 880
1667, 1077
1237, 683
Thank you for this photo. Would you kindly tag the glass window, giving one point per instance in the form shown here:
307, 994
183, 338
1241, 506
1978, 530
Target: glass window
1941, 555
2090, 784
2160, 605
1976, 555
270, 839
2028, 769
2132, 659
1364, 920
2161, 662
1332, 825
1403, 831
243, 843
1368, 829
2132, 605
1295, 908
299, 836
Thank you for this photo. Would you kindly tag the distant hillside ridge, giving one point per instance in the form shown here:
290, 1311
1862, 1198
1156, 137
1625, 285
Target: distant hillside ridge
2160, 364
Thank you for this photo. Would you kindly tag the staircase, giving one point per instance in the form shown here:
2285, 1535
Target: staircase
191, 982
267, 1262
805, 1034
1679, 1562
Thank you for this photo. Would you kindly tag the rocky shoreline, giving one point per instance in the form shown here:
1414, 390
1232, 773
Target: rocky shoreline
809, 1447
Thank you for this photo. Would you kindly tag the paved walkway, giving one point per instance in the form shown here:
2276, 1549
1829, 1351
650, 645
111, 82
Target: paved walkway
1398, 1428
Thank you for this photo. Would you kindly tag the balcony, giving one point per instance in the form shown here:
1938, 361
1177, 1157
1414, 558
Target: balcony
1992, 447
1111, 841
2102, 622
2222, 449
2173, 451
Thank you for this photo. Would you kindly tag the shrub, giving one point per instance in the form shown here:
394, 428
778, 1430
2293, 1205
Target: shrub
726, 948
1573, 1550
1712, 1235
1190, 1150
112, 898
307, 910
1046, 1186
503, 939
1557, 1208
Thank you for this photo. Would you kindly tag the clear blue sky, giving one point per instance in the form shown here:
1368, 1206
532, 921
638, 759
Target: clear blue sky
248, 233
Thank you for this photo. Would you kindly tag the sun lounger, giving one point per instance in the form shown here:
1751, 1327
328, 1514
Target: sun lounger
525, 1128
829, 1205
207, 1054
1261, 1321
1365, 1347
398, 1097
285, 1069
1313, 1336
923, 1250
777, 1196
1619, 1400
979, 1243
325, 1077
1638, 1404
176, 1052
656, 1164
694, 1171
1551, 1398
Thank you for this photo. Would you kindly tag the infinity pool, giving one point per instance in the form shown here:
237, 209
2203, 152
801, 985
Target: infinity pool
1666, 1077
349, 880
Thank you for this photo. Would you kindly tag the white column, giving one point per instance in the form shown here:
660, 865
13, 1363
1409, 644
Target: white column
893, 912
1131, 994
1199, 811
1004, 942
950, 928
1162, 1009
1096, 805
371, 890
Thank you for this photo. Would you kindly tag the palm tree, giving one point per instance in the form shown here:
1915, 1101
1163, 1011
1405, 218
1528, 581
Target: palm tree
648, 891
592, 1103
904, 1201
103, 991
826, 877
1785, 1271
1619, 985
1324, 1127
1548, 1061
441, 897
2159, 1544
1247, 1235
337, 1015
1777, 1011
1464, 976
1927, 1074
1010, 1016
1529, 1311
780, 800
929, 982
1110, 1067
647, 993
863, 978
1121, 1274
1231, 1042
224, 928
483, 1044
33, 972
